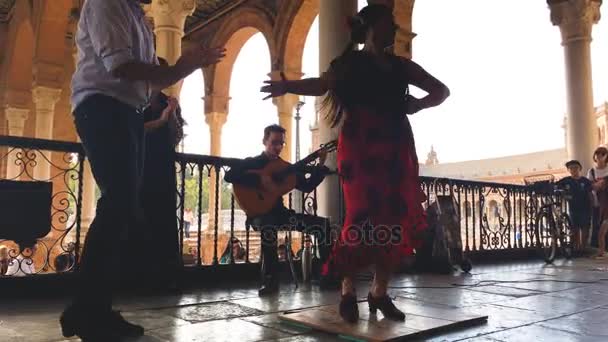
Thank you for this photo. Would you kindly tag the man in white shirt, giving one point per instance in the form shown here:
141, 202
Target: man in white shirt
116, 73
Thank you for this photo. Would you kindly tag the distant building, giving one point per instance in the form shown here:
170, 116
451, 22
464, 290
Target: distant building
512, 169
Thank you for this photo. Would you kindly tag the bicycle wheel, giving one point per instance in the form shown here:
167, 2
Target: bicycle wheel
566, 236
546, 236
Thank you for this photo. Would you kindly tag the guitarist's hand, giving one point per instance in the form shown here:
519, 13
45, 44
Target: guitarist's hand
267, 183
322, 157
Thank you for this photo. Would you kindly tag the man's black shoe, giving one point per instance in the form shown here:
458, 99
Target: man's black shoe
89, 326
123, 327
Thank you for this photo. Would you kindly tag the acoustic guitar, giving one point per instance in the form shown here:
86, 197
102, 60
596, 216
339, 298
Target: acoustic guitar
258, 201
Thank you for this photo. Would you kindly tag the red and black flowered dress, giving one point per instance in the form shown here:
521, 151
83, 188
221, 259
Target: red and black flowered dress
378, 165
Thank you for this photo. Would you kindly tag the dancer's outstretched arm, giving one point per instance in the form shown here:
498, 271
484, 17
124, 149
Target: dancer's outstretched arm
316, 86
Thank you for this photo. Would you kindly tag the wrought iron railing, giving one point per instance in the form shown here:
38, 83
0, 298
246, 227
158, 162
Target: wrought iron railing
493, 217
217, 219
60, 163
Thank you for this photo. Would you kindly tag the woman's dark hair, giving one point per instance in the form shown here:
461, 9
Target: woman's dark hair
360, 25
365, 19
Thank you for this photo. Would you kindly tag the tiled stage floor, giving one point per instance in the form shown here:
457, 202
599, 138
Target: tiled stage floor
529, 301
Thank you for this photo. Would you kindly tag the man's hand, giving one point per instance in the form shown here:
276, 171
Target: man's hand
201, 57
267, 183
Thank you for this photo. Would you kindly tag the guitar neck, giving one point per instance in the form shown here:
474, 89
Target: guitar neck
329, 147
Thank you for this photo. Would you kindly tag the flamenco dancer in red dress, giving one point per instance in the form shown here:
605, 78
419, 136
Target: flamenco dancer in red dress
367, 95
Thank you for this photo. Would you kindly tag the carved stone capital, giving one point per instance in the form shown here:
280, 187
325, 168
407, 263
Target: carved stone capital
48, 74
170, 15
289, 74
45, 98
16, 118
403, 43
17, 98
216, 104
575, 18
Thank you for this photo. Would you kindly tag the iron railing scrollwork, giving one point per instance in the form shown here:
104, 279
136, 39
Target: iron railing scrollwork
63, 165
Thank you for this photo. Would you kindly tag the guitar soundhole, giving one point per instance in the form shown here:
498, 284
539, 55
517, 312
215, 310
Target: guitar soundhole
260, 196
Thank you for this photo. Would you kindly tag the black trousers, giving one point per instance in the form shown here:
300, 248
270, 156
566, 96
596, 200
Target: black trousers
284, 219
112, 134
156, 245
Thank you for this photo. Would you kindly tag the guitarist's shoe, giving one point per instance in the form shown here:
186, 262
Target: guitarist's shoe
269, 287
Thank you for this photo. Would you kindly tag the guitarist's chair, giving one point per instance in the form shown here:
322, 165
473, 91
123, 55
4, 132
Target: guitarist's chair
289, 220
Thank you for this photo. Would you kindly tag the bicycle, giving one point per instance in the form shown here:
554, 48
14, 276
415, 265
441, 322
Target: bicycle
552, 225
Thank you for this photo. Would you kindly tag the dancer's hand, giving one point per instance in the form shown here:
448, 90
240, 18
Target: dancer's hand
412, 105
275, 88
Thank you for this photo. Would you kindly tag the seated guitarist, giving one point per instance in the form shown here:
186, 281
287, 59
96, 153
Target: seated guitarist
279, 217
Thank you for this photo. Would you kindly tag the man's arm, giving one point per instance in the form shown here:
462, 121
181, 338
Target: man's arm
159, 76
108, 27
239, 174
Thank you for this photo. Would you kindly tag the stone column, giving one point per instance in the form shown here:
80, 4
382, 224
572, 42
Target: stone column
169, 20
285, 106
403, 17
45, 99
216, 114
15, 118
333, 39
575, 19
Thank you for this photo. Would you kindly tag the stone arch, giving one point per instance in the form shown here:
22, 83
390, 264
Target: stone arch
233, 34
295, 39
50, 23
17, 66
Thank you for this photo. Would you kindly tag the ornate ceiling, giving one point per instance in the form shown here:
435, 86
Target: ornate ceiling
5, 8
206, 10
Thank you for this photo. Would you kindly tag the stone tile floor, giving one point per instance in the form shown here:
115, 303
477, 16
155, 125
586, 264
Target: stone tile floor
525, 301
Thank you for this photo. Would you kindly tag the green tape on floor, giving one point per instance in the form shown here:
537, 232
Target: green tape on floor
297, 325
350, 338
